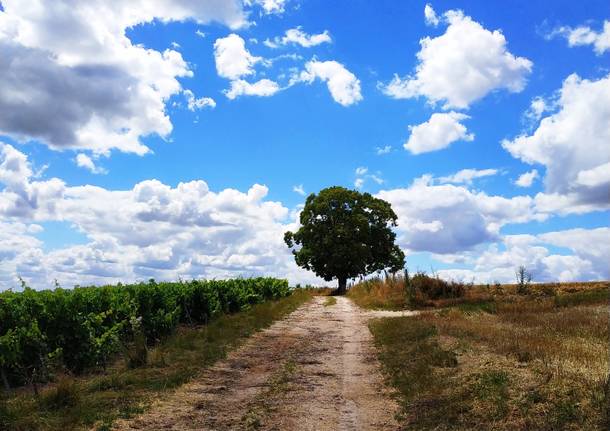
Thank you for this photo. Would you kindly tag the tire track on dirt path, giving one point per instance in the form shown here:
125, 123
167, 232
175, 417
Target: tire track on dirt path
314, 370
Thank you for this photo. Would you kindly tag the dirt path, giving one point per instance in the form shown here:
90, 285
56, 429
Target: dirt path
314, 370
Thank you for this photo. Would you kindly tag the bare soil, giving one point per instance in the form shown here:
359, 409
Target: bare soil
314, 370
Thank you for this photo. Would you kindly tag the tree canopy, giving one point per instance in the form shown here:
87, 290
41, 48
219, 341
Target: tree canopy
345, 234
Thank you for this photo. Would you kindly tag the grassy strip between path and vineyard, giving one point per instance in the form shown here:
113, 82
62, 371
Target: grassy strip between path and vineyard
122, 391
538, 364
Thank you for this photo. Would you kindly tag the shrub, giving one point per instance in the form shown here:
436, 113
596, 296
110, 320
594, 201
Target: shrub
435, 287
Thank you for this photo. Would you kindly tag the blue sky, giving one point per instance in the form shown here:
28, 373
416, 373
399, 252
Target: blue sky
440, 107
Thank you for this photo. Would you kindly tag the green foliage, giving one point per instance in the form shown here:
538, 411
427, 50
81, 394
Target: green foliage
84, 327
345, 234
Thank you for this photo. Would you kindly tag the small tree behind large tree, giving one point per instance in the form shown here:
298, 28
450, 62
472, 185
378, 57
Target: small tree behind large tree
345, 234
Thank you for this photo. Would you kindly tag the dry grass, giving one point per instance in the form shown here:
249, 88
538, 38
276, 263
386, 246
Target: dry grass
378, 293
531, 363
391, 293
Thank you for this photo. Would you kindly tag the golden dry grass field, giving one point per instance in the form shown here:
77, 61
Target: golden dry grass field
495, 359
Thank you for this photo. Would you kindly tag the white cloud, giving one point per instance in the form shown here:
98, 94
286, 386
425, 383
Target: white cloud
296, 36
194, 103
563, 204
84, 161
440, 131
299, 189
363, 175
592, 245
361, 170
595, 177
462, 66
585, 35
572, 144
86, 82
343, 85
152, 230
383, 150
466, 176
527, 179
427, 216
537, 107
430, 15
21, 197
270, 6
589, 247
233, 60
200, 33
264, 87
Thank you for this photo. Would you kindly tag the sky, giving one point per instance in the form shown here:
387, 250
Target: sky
179, 139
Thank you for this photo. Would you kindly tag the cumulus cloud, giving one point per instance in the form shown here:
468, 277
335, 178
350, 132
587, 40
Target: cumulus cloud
84, 161
527, 179
427, 215
23, 197
296, 36
592, 245
270, 6
572, 144
363, 175
194, 103
232, 58
440, 131
589, 247
467, 176
537, 107
585, 35
343, 85
430, 15
264, 87
234, 61
98, 85
151, 230
461, 66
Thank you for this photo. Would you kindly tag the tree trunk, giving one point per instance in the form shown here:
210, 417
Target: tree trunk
342, 285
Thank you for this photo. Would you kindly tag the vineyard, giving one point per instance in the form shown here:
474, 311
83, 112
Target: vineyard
43, 332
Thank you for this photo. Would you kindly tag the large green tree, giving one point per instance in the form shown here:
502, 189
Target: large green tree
345, 234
